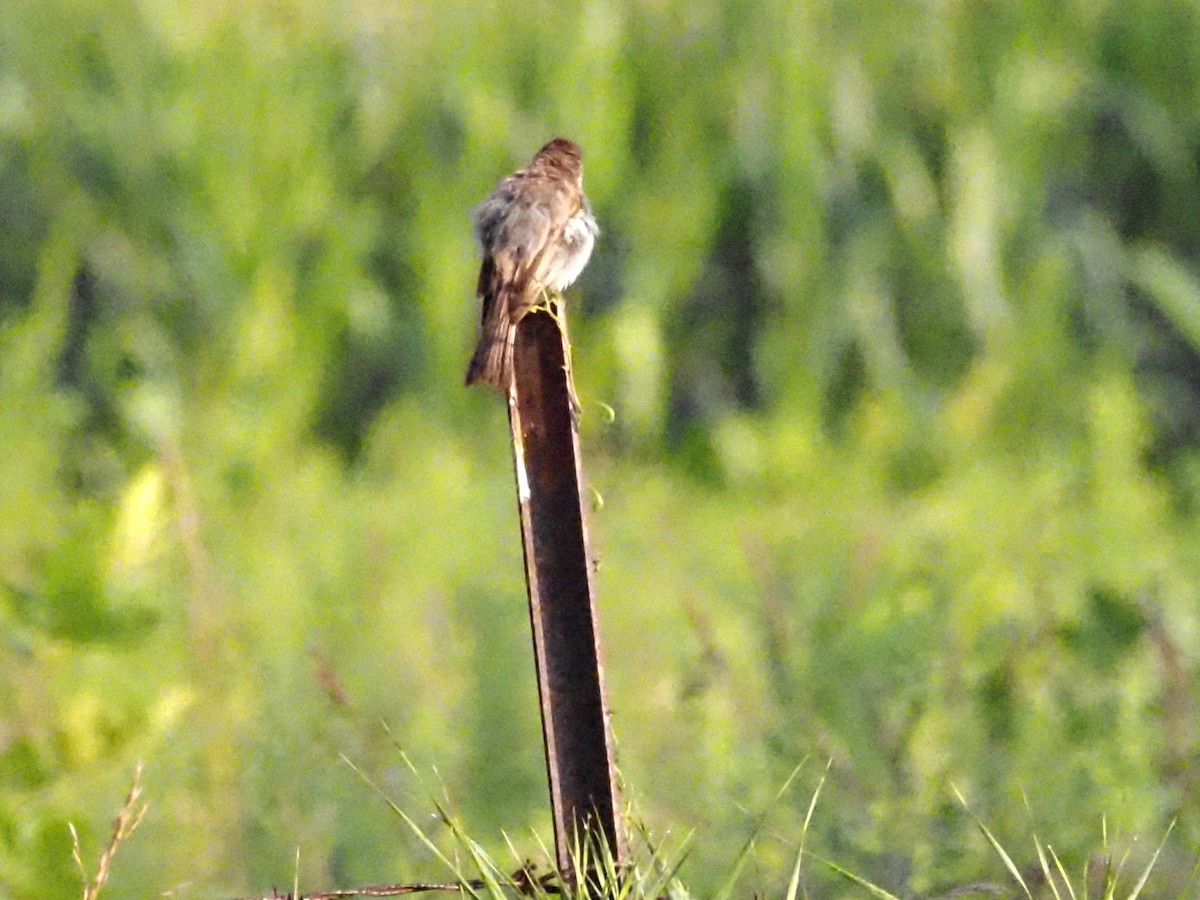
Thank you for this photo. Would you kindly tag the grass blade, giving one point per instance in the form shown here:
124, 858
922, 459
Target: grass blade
1044, 863
1063, 872
743, 856
874, 889
667, 873
413, 826
1191, 877
793, 890
1000, 851
1137, 888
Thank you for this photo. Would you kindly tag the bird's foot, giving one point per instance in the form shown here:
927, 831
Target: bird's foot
547, 302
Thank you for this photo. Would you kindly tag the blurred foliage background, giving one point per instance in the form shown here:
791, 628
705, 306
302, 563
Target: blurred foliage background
898, 306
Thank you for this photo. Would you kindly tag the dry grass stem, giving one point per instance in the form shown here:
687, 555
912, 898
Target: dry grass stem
124, 825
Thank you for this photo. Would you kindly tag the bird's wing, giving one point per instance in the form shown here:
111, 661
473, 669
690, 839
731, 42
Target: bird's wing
525, 237
487, 286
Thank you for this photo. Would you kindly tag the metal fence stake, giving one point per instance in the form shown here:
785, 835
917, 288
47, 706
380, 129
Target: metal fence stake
562, 609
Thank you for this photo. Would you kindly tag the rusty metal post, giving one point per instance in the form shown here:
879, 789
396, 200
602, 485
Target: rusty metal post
562, 608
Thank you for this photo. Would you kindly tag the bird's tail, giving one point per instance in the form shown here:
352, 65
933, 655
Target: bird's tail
492, 362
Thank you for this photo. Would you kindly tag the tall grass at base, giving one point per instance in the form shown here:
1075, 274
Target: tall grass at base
651, 870
1101, 878
649, 873
1057, 881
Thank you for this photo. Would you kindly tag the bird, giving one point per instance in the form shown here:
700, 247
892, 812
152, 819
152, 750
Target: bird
536, 232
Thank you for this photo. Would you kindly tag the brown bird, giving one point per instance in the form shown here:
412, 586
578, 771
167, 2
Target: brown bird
536, 232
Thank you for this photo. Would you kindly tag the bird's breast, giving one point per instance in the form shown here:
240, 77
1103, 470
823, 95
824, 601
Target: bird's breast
573, 251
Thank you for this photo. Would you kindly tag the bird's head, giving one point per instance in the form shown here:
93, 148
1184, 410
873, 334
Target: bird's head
563, 154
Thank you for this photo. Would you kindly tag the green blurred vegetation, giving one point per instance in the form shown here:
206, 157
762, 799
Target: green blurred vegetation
898, 306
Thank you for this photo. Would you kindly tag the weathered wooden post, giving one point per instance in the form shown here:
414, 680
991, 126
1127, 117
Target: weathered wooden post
562, 609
